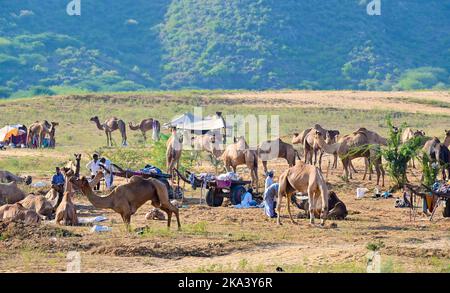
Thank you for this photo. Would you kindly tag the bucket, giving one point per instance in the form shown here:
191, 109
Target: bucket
361, 192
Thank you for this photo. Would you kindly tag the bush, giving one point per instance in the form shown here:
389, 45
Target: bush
5, 92
41, 91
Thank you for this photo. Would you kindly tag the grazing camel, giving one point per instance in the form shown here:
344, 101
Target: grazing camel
10, 193
307, 179
173, 152
6, 176
52, 134
337, 208
66, 211
40, 204
37, 132
277, 148
409, 134
127, 198
239, 153
16, 212
147, 125
110, 125
351, 147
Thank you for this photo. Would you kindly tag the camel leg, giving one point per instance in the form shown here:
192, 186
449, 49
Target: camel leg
265, 166
144, 135
346, 163
280, 197
312, 204
324, 212
353, 168
320, 160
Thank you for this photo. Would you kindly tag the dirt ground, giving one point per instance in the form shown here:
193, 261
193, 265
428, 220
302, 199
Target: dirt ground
228, 239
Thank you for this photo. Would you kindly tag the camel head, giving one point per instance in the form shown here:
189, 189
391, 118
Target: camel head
94, 119
80, 183
331, 136
77, 157
53, 123
447, 133
212, 138
28, 180
418, 133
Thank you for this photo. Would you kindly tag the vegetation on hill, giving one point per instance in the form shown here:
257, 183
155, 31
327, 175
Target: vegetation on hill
266, 44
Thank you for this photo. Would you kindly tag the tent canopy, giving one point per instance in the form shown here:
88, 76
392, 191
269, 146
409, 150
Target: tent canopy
190, 122
10, 130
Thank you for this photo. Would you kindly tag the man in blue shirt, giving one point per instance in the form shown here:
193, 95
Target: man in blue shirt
58, 178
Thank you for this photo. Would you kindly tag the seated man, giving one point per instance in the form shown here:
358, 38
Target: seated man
270, 196
58, 182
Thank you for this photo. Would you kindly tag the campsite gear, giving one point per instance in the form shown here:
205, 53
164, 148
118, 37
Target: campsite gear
91, 220
387, 194
39, 184
155, 214
215, 193
99, 228
14, 133
361, 192
431, 199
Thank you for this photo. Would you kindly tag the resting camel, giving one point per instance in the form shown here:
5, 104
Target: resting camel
38, 131
127, 198
307, 139
307, 179
6, 176
147, 125
349, 147
337, 208
40, 204
16, 212
110, 125
66, 211
173, 152
10, 193
239, 153
277, 148
409, 134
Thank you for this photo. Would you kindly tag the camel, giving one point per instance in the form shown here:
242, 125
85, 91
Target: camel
71, 168
66, 211
16, 212
127, 198
239, 153
51, 133
110, 125
337, 208
277, 148
306, 138
409, 134
6, 176
173, 152
307, 179
208, 143
10, 193
437, 151
351, 147
40, 204
147, 125
37, 131
430, 145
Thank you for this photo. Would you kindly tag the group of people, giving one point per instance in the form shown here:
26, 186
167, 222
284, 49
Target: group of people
94, 166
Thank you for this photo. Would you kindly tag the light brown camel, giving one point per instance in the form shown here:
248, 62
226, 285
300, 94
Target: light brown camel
127, 198
16, 212
173, 152
349, 147
37, 131
66, 211
409, 134
52, 134
307, 139
110, 125
208, 143
6, 176
239, 153
147, 125
39, 204
273, 149
307, 179
10, 193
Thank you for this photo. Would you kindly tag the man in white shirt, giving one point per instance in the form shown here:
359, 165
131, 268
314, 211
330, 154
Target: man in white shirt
94, 166
106, 165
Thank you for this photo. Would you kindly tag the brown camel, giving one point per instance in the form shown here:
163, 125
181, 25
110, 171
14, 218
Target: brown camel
16, 212
10, 193
430, 145
307, 179
277, 148
66, 211
6, 176
110, 125
127, 198
351, 147
239, 153
147, 125
337, 208
52, 134
39, 204
37, 132
173, 152
409, 134
208, 143
307, 139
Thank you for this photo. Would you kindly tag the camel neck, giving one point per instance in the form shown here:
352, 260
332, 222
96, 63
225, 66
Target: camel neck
328, 148
99, 126
97, 201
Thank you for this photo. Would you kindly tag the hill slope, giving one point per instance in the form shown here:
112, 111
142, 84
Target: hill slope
131, 45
